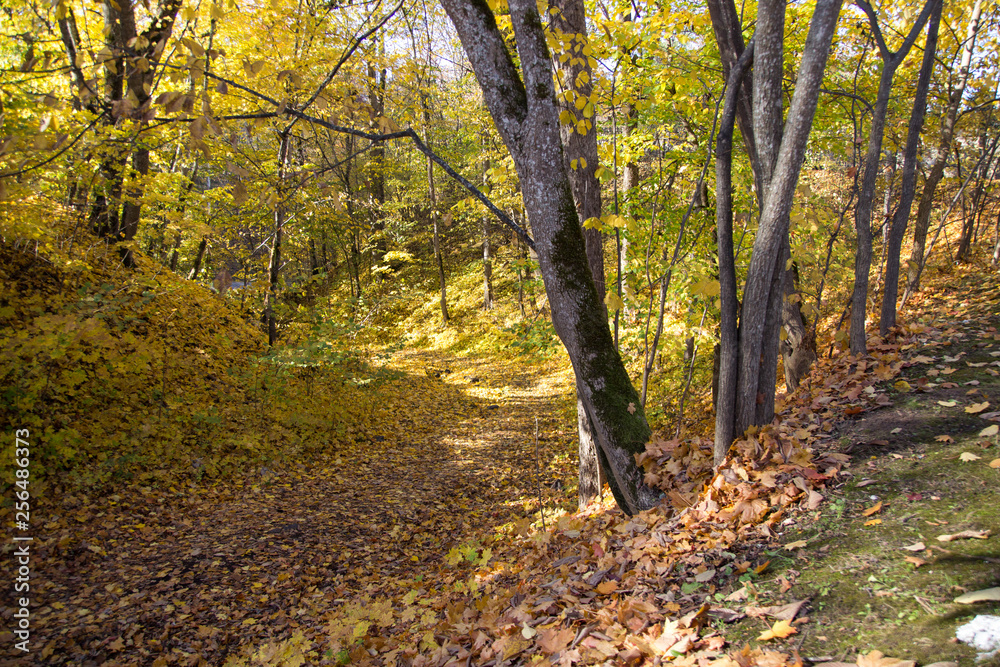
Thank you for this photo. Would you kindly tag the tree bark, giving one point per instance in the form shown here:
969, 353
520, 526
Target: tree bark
527, 117
274, 261
866, 195
438, 257
798, 348
196, 269
569, 26
923, 221
887, 319
746, 384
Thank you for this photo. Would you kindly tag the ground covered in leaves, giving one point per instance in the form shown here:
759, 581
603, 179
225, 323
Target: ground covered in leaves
438, 527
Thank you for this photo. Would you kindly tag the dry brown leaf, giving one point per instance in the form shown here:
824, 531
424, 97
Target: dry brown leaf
798, 544
607, 587
985, 595
552, 641
878, 659
919, 546
917, 562
782, 612
965, 534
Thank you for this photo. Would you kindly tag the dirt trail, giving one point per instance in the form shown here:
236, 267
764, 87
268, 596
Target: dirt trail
190, 575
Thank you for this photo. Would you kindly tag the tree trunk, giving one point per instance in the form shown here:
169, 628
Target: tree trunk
887, 319
580, 151
527, 117
922, 223
438, 256
196, 269
274, 261
866, 194
748, 370
798, 348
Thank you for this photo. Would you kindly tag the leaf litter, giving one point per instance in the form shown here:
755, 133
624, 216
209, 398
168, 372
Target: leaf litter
419, 545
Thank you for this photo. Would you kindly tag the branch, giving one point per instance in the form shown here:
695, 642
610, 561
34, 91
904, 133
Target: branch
883, 48
851, 96
49, 159
343, 59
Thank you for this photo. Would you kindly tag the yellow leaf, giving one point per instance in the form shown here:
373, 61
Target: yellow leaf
873, 522
989, 431
877, 507
976, 408
779, 630
795, 545
995, 463
902, 385
613, 302
969, 456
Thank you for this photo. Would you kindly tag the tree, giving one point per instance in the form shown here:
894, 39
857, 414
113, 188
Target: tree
526, 115
749, 345
891, 60
922, 223
887, 320
579, 136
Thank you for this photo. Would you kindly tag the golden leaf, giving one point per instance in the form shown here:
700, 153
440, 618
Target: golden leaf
780, 630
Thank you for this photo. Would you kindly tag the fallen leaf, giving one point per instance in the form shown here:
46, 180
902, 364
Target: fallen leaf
976, 408
607, 587
705, 576
798, 544
965, 534
947, 404
944, 438
917, 562
995, 463
877, 507
989, 431
782, 612
779, 630
985, 595
873, 522
553, 641
969, 456
919, 546
878, 659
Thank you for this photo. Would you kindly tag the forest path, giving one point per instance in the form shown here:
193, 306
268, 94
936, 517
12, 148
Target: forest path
191, 575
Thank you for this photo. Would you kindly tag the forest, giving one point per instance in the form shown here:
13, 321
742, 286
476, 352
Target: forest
503, 332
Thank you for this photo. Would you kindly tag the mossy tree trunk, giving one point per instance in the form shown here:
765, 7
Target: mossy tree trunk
527, 116
579, 138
